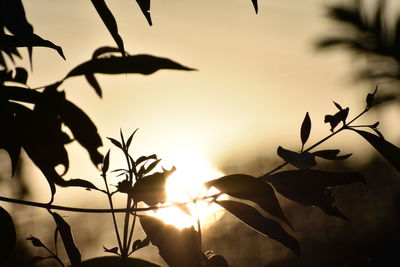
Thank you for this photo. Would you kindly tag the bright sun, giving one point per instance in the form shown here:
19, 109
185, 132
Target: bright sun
185, 184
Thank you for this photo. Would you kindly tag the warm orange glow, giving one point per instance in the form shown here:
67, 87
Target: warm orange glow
185, 184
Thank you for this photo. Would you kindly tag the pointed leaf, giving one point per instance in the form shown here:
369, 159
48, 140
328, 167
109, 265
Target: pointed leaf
337, 105
255, 220
8, 235
142, 64
305, 129
255, 4
104, 50
144, 158
83, 129
35, 242
66, 235
111, 250
389, 151
14, 19
179, 248
248, 187
152, 166
10, 41
331, 154
309, 187
93, 82
145, 7
106, 163
115, 142
151, 189
80, 183
302, 160
128, 143
109, 21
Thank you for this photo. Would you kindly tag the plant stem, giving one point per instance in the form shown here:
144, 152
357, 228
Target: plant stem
345, 126
133, 226
112, 212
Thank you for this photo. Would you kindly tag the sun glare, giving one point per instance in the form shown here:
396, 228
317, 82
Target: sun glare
186, 184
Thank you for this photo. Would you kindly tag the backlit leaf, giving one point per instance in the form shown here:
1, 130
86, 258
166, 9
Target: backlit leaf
115, 142
303, 160
330, 154
142, 64
104, 50
255, 4
145, 7
248, 187
129, 141
309, 187
111, 250
66, 236
13, 17
94, 83
179, 248
109, 21
35, 241
8, 235
151, 189
106, 162
10, 41
144, 158
305, 129
389, 151
255, 220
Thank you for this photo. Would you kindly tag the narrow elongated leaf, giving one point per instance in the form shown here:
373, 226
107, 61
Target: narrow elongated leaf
106, 162
305, 129
330, 154
129, 141
8, 235
109, 21
83, 129
255, 4
302, 160
179, 248
309, 187
255, 220
145, 7
94, 83
248, 187
104, 50
12, 41
144, 158
80, 183
66, 235
389, 151
142, 64
13, 17
115, 142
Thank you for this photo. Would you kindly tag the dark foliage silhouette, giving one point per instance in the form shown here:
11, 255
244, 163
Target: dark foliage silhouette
370, 36
252, 200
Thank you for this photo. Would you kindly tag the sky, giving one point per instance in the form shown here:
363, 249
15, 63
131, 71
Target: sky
257, 76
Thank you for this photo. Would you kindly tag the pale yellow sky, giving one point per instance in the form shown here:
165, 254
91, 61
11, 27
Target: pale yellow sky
258, 75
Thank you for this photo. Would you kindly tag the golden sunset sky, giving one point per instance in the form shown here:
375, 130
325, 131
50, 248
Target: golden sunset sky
257, 76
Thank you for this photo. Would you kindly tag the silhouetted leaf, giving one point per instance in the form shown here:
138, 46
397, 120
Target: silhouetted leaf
66, 235
8, 235
109, 21
80, 183
144, 158
145, 7
338, 106
104, 50
389, 151
138, 244
10, 41
115, 142
83, 129
151, 189
21, 75
309, 187
128, 143
334, 120
331, 154
248, 187
13, 17
117, 262
125, 186
255, 220
255, 4
111, 250
371, 98
142, 64
179, 248
35, 241
152, 166
106, 163
303, 160
305, 129
93, 82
